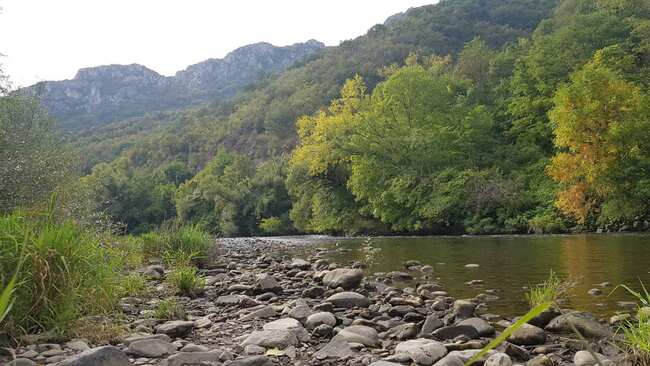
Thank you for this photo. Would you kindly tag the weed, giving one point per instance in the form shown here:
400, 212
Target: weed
169, 309
133, 285
550, 290
186, 280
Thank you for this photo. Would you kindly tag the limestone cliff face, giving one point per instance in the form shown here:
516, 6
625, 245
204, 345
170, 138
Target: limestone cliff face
98, 95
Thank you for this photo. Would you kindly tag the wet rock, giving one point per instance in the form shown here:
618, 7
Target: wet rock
544, 318
346, 278
348, 300
584, 358
483, 328
422, 351
100, 356
595, 292
359, 334
323, 317
151, 348
528, 335
498, 359
192, 358
454, 331
585, 323
472, 265
175, 328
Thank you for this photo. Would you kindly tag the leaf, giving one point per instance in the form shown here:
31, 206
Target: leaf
6, 298
506, 333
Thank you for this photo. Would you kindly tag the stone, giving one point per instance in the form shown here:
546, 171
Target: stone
498, 359
400, 310
348, 300
175, 328
323, 317
422, 351
336, 348
402, 332
300, 264
313, 292
528, 335
242, 301
483, 328
150, 348
585, 323
100, 356
259, 360
290, 325
267, 283
431, 323
454, 331
276, 338
77, 345
346, 278
464, 309
595, 292
450, 360
261, 313
300, 313
137, 337
359, 334
541, 360
22, 362
192, 358
584, 358
191, 347
385, 363
253, 349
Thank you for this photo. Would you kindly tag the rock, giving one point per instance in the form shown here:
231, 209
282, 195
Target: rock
77, 345
276, 338
359, 334
385, 363
262, 313
137, 337
498, 359
300, 313
450, 360
336, 348
541, 360
323, 330
191, 347
348, 300
585, 323
595, 292
100, 356
253, 349
313, 292
422, 351
290, 325
528, 335
251, 361
300, 264
464, 309
24, 362
242, 301
175, 328
454, 331
400, 310
544, 318
431, 323
192, 358
346, 278
267, 283
151, 348
483, 328
584, 358
403, 332
323, 317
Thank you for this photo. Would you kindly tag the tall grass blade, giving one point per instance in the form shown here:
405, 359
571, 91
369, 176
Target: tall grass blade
506, 333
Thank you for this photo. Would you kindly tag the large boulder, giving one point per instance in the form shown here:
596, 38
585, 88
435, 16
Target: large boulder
422, 351
346, 278
100, 356
348, 300
585, 323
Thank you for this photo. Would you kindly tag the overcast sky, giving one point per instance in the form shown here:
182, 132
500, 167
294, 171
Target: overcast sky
51, 40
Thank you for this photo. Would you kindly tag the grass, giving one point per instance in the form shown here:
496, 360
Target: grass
169, 309
186, 280
67, 274
550, 290
184, 239
637, 332
133, 285
98, 332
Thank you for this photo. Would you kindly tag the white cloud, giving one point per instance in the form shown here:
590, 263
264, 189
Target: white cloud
50, 40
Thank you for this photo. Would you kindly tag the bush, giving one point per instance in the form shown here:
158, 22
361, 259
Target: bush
68, 273
186, 280
272, 226
185, 239
169, 309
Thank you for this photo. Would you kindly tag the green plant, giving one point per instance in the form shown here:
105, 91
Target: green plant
637, 333
169, 309
642, 297
550, 290
506, 333
133, 285
272, 225
6, 298
185, 239
186, 280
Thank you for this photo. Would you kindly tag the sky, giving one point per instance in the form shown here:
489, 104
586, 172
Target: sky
51, 40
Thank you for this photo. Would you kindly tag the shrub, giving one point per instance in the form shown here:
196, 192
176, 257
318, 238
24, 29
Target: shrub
67, 274
169, 309
272, 226
186, 280
550, 290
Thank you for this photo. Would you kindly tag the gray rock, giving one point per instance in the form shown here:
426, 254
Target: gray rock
343, 277
175, 328
422, 351
290, 325
431, 323
483, 328
191, 347
276, 338
251, 361
454, 331
313, 292
253, 349
151, 348
300, 313
450, 360
323, 317
584, 358
262, 313
300, 264
359, 334
242, 301
192, 358
528, 335
137, 337
541, 360
498, 359
385, 363
336, 348
323, 330
267, 283
77, 345
403, 332
21, 362
348, 300
464, 309
100, 356
585, 323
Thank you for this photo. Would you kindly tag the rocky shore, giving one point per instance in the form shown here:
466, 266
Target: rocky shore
261, 306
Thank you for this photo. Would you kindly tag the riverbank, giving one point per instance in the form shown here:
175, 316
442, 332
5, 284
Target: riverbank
261, 305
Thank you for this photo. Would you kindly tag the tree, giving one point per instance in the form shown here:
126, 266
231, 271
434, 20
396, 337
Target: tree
602, 127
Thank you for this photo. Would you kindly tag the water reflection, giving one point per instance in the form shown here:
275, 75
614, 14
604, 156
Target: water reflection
510, 263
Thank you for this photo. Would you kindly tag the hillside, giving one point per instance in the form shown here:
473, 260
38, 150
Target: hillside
102, 94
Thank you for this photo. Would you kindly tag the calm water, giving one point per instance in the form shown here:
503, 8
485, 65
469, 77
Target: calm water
509, 263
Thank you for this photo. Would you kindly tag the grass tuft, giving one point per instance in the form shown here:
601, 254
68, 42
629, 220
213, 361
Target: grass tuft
169, 309
186, 280
550, 290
